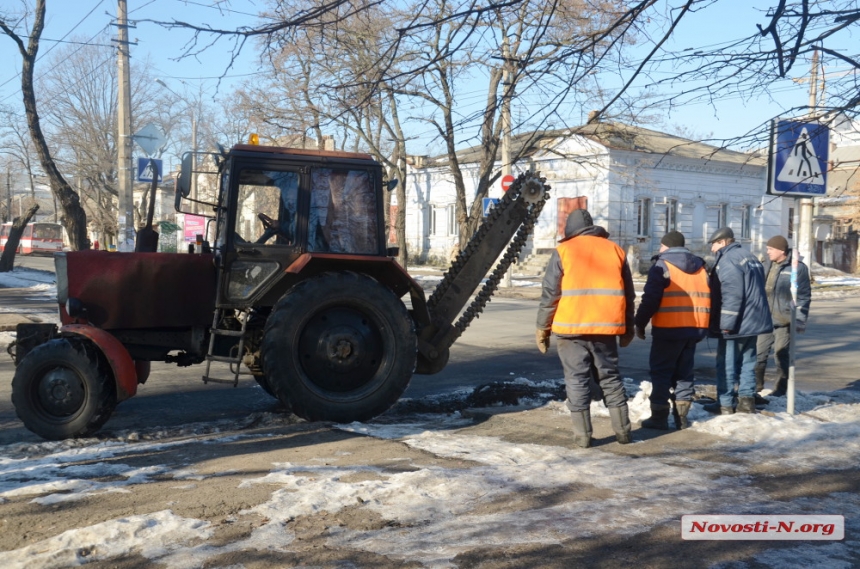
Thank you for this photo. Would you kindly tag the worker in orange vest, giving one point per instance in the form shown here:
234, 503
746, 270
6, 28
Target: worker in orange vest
677, 301
587, 300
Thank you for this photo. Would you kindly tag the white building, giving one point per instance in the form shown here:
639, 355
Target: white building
637, 183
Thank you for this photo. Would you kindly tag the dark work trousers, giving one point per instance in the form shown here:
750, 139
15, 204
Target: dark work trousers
779, 340
578, 355
671, 363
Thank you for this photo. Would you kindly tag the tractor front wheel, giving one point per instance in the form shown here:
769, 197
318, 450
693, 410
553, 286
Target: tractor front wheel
339, 347
63, 389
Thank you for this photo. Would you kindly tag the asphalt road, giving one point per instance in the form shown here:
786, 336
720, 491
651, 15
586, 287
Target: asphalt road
497, 346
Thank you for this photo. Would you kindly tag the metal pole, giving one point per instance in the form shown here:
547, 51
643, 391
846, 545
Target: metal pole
194, 119
125, 214
506, 130
792, 330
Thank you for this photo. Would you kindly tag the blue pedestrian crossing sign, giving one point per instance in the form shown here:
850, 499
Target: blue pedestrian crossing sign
145, 171
489, 204
797, 164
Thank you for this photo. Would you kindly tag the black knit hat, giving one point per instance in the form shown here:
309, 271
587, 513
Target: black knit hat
673, 239
778, 242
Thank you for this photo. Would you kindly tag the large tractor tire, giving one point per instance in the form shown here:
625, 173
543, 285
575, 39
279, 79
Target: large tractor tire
63, 389
339, 347
263, 382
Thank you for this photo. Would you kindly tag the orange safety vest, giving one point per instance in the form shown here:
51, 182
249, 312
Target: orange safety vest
592, 288
686, 301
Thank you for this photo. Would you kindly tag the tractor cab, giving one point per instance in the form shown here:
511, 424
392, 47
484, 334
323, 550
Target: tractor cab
273, 205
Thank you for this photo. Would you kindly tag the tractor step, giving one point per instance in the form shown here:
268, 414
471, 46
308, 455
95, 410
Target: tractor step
234, 360
234, 333
234, 381
223, 359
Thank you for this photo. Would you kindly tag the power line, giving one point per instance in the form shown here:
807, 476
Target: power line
47, 51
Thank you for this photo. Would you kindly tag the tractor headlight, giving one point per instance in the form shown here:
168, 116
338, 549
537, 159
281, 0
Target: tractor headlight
75, 308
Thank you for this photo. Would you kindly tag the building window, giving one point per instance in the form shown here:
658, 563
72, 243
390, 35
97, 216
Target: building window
671, 216
723, 215
453, 228
432, 220
643, 217
746, 222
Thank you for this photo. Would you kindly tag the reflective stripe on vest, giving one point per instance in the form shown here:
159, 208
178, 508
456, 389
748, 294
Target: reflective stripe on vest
686, 301
592, 288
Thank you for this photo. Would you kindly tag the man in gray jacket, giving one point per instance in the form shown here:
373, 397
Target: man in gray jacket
739, 313
777, 270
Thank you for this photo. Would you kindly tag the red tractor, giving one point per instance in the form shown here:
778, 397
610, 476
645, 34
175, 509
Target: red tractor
297, 289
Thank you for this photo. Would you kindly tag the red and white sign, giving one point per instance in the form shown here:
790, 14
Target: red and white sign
194, 225
507, 180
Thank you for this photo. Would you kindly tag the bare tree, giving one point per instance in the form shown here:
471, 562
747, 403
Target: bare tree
7, 259
74, 217
16, 142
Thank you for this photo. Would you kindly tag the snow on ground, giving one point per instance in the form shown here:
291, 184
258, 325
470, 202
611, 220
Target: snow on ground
435, 513
41, 285
19, 277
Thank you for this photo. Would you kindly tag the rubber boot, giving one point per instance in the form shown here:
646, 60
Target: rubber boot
715, 409
581, 428
759, 378
659, 418
682, 408
620, 419
759, 385
779, 389
746, 405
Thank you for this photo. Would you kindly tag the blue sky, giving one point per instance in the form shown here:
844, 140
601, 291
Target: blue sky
727, 19
67, 21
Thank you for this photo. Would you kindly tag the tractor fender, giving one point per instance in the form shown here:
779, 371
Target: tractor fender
124, 370
384, 269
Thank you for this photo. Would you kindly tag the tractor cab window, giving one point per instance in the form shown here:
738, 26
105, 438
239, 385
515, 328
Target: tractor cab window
266, 208
343, 212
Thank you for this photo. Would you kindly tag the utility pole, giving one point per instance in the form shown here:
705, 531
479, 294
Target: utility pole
506, 129
125, 216
9, 194
804, 208
805, 205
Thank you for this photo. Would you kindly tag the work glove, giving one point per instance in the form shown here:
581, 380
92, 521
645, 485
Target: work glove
640, 333
542, 339
625, 339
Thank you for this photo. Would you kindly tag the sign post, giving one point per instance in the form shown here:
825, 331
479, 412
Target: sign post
797, 166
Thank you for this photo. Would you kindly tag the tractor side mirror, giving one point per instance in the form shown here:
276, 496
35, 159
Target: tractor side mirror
392, 184
183, 184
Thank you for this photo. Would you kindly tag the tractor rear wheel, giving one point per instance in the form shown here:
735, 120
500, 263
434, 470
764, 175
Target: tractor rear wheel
339, 347
63, 389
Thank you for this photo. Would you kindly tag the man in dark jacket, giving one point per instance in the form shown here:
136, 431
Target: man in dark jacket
677, 302
739, 313
777, 270
587, 300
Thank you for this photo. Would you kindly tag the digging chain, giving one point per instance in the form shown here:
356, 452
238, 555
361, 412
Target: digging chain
510, 197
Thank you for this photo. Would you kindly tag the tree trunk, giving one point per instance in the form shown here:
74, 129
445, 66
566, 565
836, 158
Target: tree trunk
74, 217
7, 259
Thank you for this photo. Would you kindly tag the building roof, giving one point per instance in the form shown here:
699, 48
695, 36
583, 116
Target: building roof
616, 136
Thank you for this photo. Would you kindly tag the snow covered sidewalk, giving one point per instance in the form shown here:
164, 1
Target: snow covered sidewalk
498, 487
